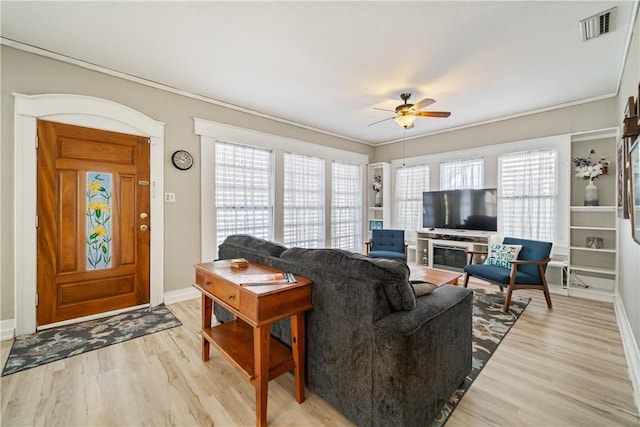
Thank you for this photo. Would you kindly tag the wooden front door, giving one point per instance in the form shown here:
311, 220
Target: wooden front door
93, 221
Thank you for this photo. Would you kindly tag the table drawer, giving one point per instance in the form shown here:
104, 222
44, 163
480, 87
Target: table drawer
223, 291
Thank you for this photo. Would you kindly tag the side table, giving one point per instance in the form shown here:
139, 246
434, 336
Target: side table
246, 341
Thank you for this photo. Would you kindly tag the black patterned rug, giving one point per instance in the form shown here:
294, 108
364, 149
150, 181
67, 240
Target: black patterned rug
53, 344
490, 326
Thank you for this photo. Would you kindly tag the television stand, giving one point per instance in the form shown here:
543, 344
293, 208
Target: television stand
447, 249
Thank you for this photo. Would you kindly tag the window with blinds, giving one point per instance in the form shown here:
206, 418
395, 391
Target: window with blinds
464, 173
528, 194
303, 214
411, 182
243, 191
346, 206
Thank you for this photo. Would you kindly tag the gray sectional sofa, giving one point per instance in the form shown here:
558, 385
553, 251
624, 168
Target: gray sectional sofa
375, 352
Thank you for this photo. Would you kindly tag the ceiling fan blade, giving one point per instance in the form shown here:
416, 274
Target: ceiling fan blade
380, 121
424, 103
433, 113
384, 109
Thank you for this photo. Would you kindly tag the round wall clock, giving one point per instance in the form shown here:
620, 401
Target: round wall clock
182, 160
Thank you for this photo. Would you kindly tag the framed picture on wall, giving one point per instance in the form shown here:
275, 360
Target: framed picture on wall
634, 189
622, 164
621, 177
630, 122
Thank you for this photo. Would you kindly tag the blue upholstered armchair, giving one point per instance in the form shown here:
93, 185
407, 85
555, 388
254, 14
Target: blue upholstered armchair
387, 244
516, 264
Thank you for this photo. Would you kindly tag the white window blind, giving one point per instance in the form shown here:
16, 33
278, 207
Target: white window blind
411, 182
464, 173
243, 191
346, 206
303, 221
528, 194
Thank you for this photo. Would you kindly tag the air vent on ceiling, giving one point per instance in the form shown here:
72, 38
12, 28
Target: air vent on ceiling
597, 25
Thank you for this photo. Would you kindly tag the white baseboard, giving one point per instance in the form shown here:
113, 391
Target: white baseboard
180, 295
631, 349
7, 329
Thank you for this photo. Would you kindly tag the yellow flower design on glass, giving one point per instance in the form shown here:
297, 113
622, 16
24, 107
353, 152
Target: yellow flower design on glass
99, 230
95, 186
97, 205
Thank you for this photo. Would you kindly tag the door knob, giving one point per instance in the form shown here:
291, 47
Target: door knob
144, 227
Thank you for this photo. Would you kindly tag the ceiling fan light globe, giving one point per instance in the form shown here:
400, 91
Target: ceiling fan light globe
406, 121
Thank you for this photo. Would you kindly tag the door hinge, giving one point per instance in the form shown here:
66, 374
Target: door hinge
36, 221
36, 142
36, 299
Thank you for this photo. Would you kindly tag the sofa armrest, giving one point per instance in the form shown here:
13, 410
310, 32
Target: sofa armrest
433, 305
422, 356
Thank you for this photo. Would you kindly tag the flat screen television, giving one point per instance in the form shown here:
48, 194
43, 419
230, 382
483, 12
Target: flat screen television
461, 209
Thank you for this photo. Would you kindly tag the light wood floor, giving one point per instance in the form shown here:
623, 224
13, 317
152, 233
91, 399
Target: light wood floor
560, 367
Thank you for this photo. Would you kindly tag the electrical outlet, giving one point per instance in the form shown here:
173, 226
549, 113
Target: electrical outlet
170, 197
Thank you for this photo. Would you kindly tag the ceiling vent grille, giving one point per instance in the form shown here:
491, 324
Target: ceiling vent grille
597, 25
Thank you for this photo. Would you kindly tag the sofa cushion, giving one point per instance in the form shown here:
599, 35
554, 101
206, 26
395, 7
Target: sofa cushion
420, 287
264, 247
392, 275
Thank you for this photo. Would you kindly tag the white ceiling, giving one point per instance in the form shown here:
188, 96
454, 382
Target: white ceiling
325, 65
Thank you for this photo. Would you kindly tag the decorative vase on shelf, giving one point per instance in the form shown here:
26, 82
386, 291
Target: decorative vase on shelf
591, 194
378, 199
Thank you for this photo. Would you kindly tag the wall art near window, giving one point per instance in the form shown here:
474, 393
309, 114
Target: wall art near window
99, 234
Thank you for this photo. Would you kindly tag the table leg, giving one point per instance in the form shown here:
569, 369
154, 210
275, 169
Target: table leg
298, 350
207, 306
261, 347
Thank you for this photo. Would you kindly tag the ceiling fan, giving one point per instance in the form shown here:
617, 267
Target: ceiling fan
407, 113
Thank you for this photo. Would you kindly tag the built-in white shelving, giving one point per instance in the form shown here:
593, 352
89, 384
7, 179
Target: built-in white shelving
593, 271
378, 216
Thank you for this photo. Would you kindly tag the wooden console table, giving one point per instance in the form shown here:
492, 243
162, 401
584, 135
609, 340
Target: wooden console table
246, 341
